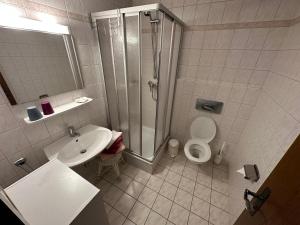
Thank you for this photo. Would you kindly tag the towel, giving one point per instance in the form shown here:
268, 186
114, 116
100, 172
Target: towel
115, 144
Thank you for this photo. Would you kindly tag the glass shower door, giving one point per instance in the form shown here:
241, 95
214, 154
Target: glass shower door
172, 79
139, 57
151, 29
132, 44
111, 39
163, 82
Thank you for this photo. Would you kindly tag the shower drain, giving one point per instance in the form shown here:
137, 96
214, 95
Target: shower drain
83, 151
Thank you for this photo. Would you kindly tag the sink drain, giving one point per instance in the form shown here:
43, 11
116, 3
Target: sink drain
83, 151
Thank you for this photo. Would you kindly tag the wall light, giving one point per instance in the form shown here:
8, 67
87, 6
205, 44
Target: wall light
46, 18
10, 17
8, 11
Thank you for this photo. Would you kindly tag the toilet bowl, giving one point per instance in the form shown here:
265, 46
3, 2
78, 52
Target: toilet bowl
202, 131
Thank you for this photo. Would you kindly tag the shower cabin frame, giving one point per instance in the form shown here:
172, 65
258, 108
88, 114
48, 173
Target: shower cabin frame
136, 11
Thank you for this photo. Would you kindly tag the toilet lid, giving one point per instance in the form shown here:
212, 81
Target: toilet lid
203, 128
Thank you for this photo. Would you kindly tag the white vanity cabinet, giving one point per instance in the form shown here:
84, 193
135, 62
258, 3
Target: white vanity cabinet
55, 194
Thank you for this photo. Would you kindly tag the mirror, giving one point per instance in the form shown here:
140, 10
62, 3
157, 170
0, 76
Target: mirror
34, 65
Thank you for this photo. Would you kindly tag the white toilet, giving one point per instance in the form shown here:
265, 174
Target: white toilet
203, 131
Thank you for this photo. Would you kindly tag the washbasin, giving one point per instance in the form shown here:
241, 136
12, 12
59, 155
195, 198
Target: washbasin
74, 151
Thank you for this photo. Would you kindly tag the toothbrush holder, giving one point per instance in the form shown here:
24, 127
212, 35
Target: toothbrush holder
34, 113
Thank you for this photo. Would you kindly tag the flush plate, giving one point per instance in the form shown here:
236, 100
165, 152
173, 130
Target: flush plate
209, 105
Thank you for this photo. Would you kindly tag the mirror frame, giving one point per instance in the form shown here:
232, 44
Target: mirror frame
73, 61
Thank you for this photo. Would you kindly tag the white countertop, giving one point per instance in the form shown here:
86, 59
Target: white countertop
51, 195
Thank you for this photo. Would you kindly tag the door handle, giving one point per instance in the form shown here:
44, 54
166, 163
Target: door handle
257, 201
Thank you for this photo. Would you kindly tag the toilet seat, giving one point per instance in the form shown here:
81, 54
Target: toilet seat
197, 151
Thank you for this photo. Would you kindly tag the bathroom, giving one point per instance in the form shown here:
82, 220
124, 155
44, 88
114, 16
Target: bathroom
240, 54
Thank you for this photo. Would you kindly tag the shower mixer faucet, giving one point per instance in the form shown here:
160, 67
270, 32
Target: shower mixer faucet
153, 89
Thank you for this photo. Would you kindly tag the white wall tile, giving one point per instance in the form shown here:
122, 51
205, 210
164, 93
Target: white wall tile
216, 13
267, 10
201, 14
188, 14
249, 10
232, 11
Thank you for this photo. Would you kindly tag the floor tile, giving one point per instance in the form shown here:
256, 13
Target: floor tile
142, 177
218, 216
190, 173
165, 161
206, 169
180, 158
219, 200
177, 167
192, 165
184, 192
200, 208
220, 175
130, 171
160, 172
139, 213
183, 199
204, 179
187, 185
124, 204
103, 185
148, 197
173, 178
128, 222
115, 218
134, 189
112, 195
110, 176
107, 207
178, 215
220, 186
202, 192
221, 166
169, 223
168, 190
196, 220
154, 183
122, 181
162, 205
155, 219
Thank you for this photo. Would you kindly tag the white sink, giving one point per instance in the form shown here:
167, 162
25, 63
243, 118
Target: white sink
74, 151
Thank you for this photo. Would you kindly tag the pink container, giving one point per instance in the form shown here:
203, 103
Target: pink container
47, 108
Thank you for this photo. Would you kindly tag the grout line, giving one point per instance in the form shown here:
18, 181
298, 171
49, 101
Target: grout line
163, 179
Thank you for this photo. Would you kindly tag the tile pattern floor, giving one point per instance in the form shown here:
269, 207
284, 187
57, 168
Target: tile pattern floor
178, 193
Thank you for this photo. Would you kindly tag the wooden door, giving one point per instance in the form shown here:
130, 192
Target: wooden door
283, 205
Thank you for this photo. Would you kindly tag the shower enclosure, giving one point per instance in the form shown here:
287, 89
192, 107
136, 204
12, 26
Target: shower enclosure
139, 50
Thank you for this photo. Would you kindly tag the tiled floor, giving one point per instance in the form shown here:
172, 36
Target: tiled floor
179, 193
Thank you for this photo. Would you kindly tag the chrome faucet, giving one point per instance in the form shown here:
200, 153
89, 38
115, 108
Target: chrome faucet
72, 132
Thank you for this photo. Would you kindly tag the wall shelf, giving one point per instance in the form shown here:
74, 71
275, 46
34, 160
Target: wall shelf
59, 110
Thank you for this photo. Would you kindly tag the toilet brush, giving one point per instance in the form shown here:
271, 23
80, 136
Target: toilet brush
219, 156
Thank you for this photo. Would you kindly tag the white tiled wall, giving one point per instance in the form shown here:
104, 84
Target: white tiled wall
19, 140
275, 121
198, 12
224, 65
